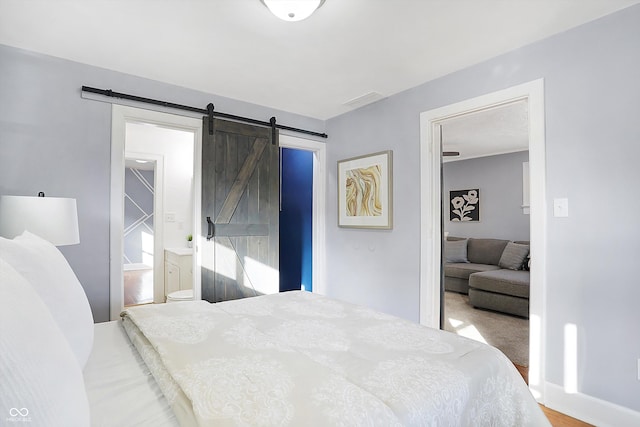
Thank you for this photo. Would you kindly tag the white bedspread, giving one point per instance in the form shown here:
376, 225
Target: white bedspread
300, 359
120, 388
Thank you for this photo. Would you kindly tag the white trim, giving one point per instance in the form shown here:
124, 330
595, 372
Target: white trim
319, 150
589, 409
197, 208
158, 223
430, 205
120, 116
136, 266
430, 232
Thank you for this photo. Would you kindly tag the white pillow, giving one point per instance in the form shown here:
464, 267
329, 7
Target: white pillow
49, 273
41, 382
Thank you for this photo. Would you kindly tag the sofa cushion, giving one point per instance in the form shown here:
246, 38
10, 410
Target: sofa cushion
463, 270
526, 263
513, 256
455, 251
499, 302
509, 282
485, 251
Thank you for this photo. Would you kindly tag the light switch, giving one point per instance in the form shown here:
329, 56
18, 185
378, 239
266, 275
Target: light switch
560, 207
170, 217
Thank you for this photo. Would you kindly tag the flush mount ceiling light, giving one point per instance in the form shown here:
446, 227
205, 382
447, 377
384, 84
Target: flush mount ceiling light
292, 10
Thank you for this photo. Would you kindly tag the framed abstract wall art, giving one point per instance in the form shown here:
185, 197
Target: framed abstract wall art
464, 205
365, 191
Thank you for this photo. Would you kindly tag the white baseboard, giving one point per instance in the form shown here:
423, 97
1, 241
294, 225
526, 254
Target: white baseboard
136, 266
589, 409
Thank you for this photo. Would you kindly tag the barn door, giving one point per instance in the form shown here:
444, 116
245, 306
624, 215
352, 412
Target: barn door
240, 210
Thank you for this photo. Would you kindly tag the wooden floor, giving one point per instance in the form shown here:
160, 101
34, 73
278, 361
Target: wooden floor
556, 418
138, 287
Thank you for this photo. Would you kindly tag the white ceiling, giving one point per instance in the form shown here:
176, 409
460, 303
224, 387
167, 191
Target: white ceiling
499, 130
135, 164
236, 48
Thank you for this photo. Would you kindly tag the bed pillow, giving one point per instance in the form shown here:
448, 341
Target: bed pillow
42, 383
455, 251
513, 256
42, 264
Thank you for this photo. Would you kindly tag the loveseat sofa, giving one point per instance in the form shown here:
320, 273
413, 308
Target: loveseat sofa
493, 272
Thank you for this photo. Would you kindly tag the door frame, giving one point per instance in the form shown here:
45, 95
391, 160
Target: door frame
318, 228
158, 214
120, 116
431, 214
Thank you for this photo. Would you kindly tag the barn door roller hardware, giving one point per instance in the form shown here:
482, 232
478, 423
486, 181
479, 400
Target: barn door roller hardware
209, 111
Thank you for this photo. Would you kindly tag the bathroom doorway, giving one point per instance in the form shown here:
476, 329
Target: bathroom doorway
140, 178
172, 144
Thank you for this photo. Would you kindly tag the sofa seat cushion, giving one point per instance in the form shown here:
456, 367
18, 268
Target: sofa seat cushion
462, 270
499, 302
508, 282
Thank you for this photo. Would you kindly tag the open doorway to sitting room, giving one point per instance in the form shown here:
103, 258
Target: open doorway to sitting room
433, 129
486, 227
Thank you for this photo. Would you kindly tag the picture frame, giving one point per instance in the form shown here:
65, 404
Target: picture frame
464, 205
365, 191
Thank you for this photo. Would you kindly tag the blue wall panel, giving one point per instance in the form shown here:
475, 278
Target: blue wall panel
295, 220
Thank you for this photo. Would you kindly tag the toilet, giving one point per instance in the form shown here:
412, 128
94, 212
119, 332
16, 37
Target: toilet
178, 296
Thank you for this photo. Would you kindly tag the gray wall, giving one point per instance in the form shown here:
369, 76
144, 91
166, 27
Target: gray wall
592, 94
499, 179
53, 140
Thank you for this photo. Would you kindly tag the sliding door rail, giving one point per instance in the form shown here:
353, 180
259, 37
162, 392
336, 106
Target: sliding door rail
209, 111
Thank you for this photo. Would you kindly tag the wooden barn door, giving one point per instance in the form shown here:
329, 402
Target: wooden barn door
240, 211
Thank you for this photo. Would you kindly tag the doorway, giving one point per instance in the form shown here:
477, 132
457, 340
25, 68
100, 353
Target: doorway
296, 218
173, 143
485, 153
120, 116
319, 164
140, 178
431, 231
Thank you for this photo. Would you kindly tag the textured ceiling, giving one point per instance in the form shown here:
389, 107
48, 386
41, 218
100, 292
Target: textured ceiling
236, 48
498, 130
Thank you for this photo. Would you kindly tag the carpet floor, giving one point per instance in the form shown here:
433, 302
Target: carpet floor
509, 334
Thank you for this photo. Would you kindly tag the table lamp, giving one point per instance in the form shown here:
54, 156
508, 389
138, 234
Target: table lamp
52, 218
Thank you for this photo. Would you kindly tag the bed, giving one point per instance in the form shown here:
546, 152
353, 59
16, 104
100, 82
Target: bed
295, 358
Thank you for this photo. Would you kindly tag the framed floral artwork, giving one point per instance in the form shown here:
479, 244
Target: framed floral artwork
365, 191
464, 205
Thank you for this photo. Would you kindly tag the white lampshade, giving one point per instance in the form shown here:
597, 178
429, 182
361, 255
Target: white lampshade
53, 218
293, 10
